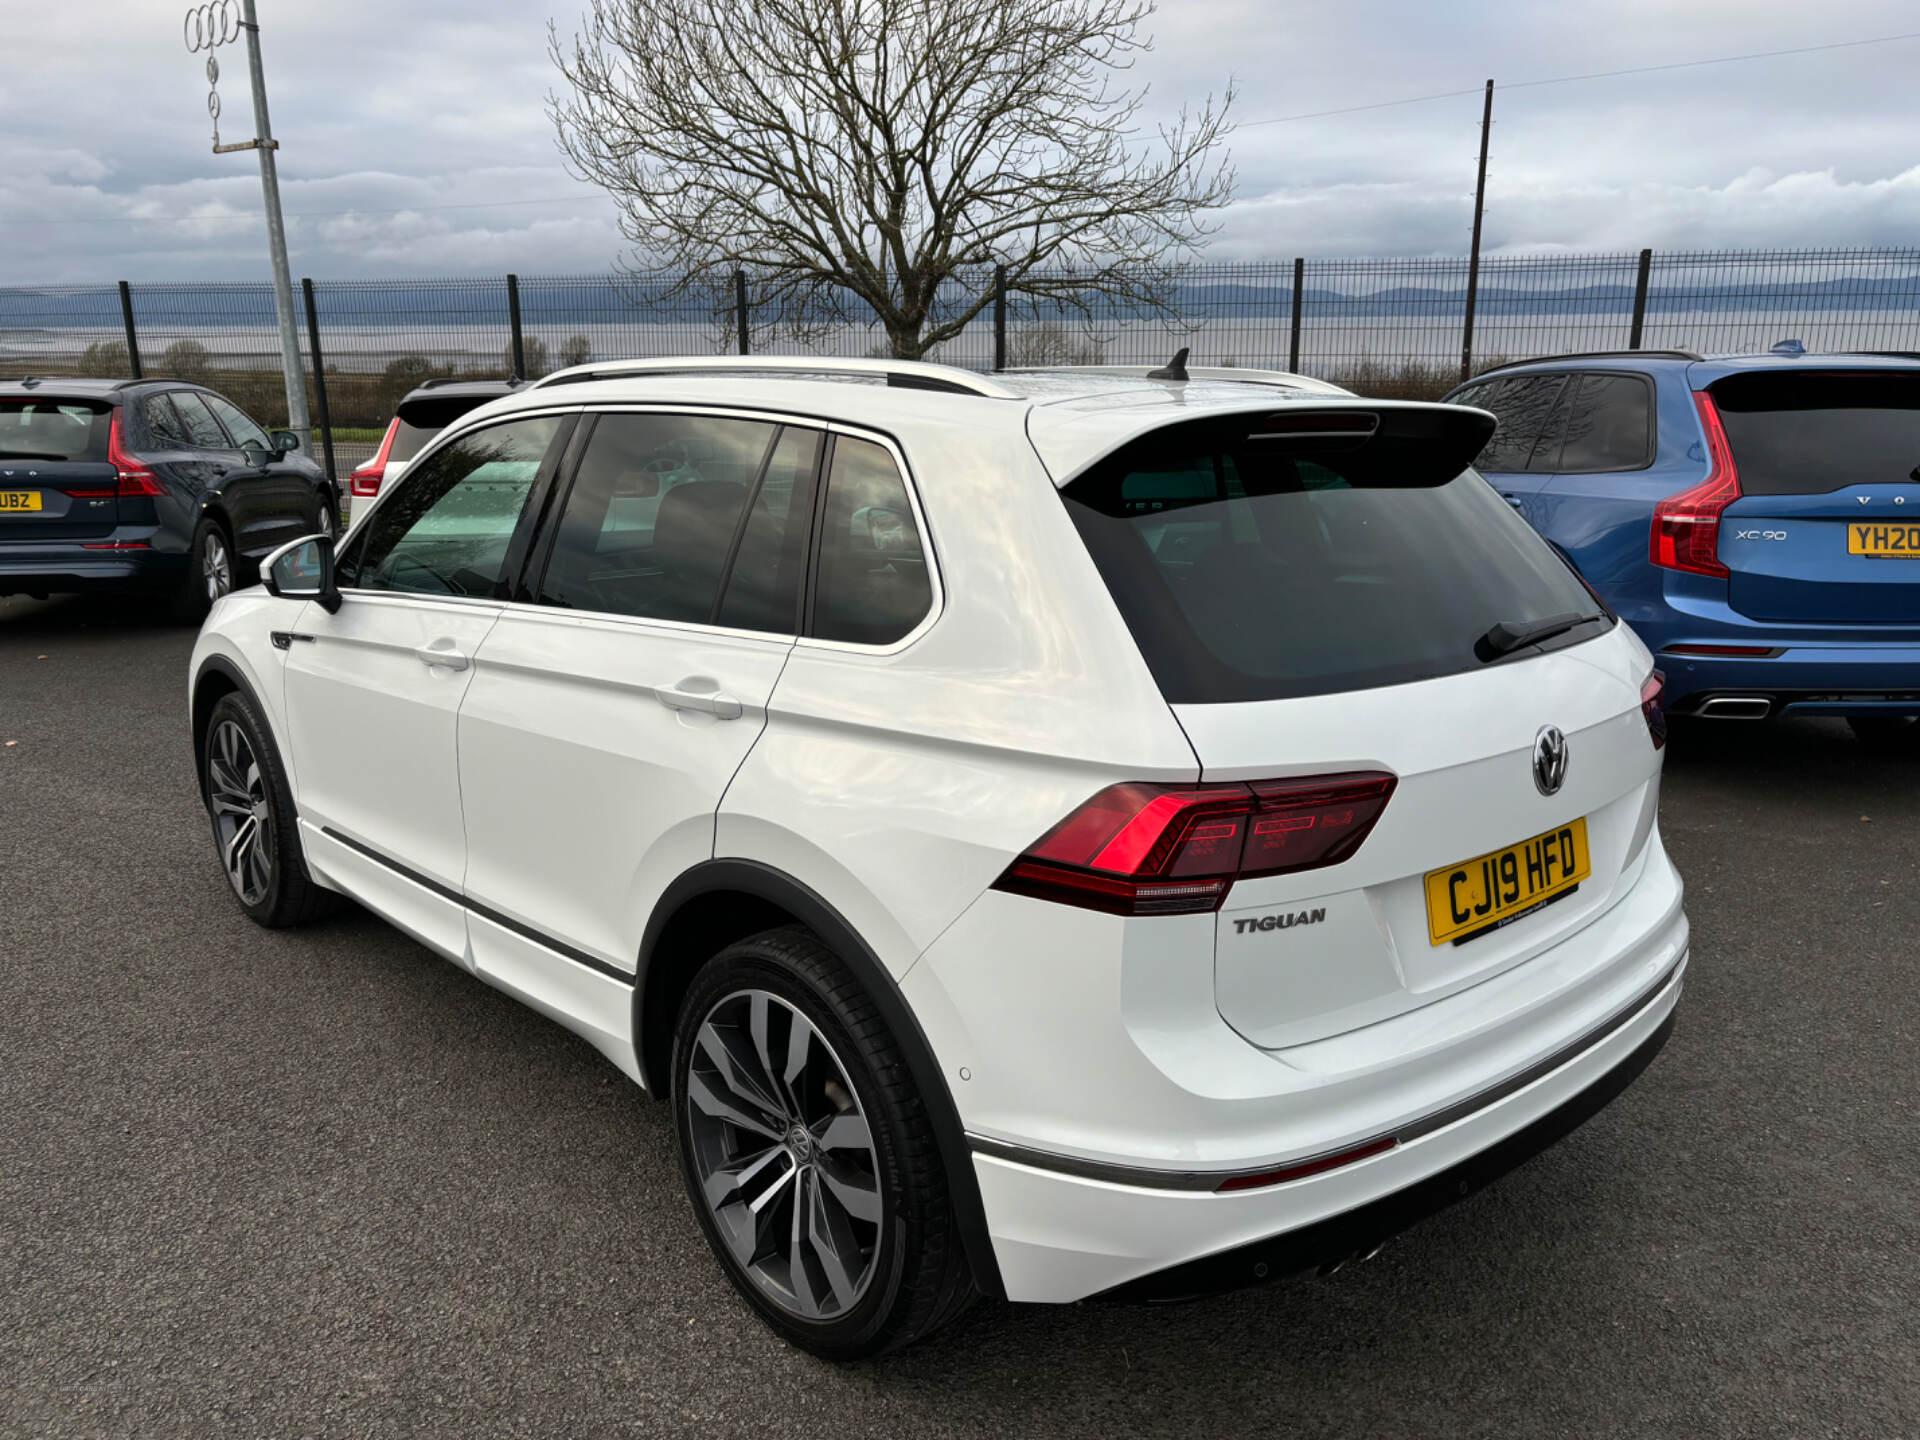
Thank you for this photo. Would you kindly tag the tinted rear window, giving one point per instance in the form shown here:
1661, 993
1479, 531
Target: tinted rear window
49, 428
1809, 433
408, 440
1247, 574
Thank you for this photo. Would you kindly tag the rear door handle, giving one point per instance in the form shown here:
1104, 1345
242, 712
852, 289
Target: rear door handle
1514, 500
699, 692
441, 652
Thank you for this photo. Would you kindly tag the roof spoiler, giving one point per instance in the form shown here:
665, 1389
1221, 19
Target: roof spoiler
1396, 446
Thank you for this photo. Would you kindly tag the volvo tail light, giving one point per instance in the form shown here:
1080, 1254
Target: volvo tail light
134, 478
1653, 705
1686, 527
1138, 849
365, 480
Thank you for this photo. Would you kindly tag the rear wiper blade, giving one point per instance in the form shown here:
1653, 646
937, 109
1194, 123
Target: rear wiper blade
30, 455
1507, 636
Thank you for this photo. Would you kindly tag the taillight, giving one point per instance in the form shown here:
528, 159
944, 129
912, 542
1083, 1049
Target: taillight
133, 477
1138, 849
365, 480
1653, 705
1686, 527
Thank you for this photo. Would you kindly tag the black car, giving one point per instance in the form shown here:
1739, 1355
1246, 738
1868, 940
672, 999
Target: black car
156, 486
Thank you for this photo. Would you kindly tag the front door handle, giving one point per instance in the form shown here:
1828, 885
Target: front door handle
441, 652
1514, 500
702, 693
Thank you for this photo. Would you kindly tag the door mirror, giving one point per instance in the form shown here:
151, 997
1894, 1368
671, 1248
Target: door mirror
257, 458
303, 570
284, 442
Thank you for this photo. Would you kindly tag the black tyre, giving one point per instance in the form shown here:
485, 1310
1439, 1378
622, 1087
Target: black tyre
245, 790
808, 1155
210, 571
1887, 734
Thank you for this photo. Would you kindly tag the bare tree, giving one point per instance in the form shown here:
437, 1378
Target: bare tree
880, 151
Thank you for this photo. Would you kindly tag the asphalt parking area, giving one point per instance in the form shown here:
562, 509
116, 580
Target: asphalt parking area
322, 1183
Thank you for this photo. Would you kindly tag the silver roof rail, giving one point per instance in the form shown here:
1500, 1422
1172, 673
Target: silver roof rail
900, 374
1284, 378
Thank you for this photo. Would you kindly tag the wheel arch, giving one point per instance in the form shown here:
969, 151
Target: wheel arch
721, 901
218, 677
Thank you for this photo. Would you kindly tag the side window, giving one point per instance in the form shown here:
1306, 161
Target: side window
873, 586
763, 587
1609, 426
446, 528
652, 515
1523, 405
164, 426
246, 434
203, 431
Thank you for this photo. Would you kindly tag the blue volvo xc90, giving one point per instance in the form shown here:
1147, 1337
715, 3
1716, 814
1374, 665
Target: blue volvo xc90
1755, 518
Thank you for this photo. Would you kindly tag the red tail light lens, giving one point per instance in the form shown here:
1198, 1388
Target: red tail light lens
1139, 849
366, 479
134, 478
1653, 705
1686, 527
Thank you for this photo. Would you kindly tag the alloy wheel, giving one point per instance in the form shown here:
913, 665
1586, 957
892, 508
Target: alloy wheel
242, 814
326, 520
216, 570
784, 1155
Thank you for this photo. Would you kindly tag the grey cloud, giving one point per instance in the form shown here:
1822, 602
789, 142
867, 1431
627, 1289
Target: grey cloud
421, 105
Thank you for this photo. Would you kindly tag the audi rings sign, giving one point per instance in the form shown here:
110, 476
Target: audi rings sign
211, 25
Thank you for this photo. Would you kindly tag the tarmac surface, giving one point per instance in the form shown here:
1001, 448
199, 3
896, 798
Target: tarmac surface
322, 1183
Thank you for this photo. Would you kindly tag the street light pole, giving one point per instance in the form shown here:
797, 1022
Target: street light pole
208, 26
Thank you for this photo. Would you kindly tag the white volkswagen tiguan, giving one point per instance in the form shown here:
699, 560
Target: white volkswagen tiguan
1046, 834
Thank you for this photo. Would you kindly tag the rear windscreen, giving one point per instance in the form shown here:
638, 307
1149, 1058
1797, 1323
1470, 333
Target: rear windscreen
1255, 572
408, 439
1811, 432
48, 428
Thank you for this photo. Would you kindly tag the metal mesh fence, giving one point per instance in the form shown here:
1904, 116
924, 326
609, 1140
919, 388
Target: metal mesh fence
1380, 326
1829, 300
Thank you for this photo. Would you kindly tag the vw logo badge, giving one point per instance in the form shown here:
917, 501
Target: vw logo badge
1549, 760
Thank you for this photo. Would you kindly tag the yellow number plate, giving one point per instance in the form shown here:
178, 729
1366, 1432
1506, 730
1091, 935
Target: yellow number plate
1489, 890
1885, 542
14, 501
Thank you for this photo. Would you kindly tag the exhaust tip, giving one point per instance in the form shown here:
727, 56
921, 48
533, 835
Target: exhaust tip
1737, 707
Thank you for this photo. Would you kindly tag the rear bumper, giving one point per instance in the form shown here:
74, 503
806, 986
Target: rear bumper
1816, 669
1798, 678
1064, 1237
1360, 1231
40, 567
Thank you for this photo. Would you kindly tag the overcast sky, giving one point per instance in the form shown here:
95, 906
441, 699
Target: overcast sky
434, 109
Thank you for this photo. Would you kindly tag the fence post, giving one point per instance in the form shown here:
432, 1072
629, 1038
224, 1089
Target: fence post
740, 312
999, 318
133, 342
513, 320
1473, 259
1299, 291
319, 381
1640, 300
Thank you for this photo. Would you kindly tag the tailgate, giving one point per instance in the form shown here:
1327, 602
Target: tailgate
1827, 526
56, 480
57, 500
1302, 956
